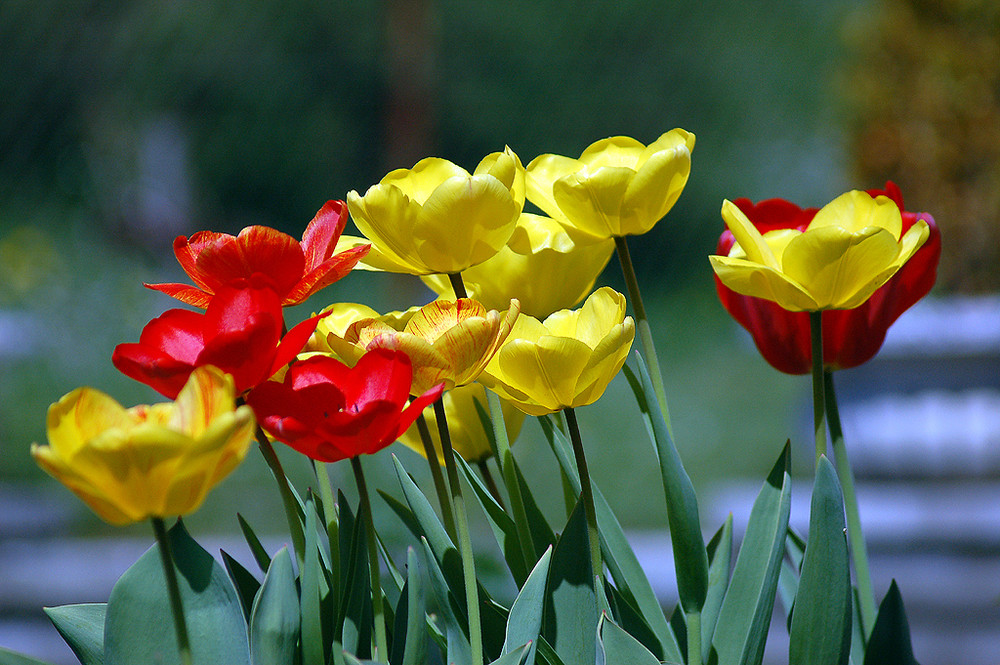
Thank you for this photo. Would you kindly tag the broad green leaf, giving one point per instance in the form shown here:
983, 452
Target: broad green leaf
138, 628
788, 579
246, 584
459, 650
690, 557
542, 535
82, 626
615, 646
890, 640
624, 613
525, 621
414, 636
516, 657
274, 619
821, 624
741, 629
8, 657
720, 556
624, 567
354, 618
547, 653
260, 555
313, 645
570, 619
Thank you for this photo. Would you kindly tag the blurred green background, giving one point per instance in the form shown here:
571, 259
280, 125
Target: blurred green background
123, 124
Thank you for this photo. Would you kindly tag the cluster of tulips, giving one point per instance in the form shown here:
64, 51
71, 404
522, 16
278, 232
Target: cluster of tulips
816, 288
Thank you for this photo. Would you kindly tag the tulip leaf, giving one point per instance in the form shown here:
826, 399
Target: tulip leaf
570, 619
274, 619
720, 556
504, 529
615, 646
8, 657
246, 584
313, 644
459, 650
542, 535
260, 554
741, 629
354, 618
547, 653
525, 621
821, 624
138, 627
518, 656
889, 643
82, 626
627, 573
411, 616
690, 557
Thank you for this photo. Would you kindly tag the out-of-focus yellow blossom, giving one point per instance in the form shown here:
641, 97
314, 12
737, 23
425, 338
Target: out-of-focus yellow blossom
448, 341
543, 266
617, 187
851, 247
468, 436
158, 460
567, 360
436, 217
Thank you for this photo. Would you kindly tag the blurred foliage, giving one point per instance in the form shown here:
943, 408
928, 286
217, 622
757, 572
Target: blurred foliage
923, 94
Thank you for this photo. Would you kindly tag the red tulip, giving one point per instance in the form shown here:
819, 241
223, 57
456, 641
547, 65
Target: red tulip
330, 411
295, 269
240, 333
850, 337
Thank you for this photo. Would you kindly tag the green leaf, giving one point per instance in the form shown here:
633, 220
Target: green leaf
313, 645
525, 621
274, 619
690, 557
615, 646
889, 643
542, 535
788, 578
741, 630
82, 626
246, 584
720, 556
821, 624
459, 650
354, 622
570, 620
8, 657
138, 628
516, 657
413, 636
260, 555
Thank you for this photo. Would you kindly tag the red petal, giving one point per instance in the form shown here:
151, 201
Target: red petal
177, 333
328, 272
187, 251
186, 293
293, 341
321, 235
151, 366
257, 249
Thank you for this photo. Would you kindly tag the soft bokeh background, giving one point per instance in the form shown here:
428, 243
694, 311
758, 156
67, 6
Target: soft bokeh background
125, 123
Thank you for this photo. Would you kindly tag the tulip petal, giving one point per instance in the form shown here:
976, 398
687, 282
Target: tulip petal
592, 200
186, 293
754, 247
386, 217
540, 175
319, 240
614, 151
654, 189
419, 182
81, 416
856, 210
752, 279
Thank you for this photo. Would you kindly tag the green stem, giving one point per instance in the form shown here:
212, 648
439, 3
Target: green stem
819, 402
642, 324
586, 492
692, 622
859, 549
458, 285
439, 483
170, 574
464, 539
378, 605
287, 498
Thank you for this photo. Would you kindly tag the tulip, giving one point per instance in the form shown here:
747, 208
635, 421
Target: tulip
543, 265
448, 341
617, 187
240, 333
149, 461
567, 360
850, 337
852, 246
330, 411
469, 437
436, 217
295, 270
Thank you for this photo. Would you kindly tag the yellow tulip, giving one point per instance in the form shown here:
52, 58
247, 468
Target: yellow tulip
851, 247
567, 360
617, 187
468, 437
448, 341
436, 217
148, 461
543, 266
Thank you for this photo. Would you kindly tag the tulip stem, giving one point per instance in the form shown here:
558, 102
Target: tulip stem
586, 493
378, 612
173, 590
439, 483
458, 285
491, 484
287, 498
819, 402
859, 549
464, 539
642, 323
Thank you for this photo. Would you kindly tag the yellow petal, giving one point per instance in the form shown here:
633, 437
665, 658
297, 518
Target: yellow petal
753, 279
613, 151
654, 189
749, 238
81, 416
507, 168
856, 210
605, 362
541, 174
591, 200
671, 140
386, 216
208, 393
419, 182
